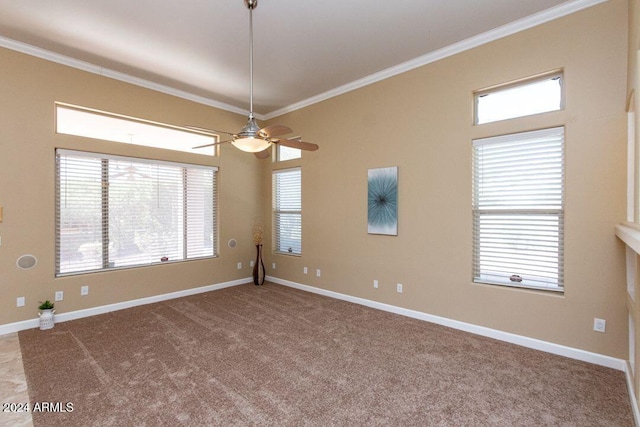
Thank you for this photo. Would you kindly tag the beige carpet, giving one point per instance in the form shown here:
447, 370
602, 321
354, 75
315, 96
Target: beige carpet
275, 356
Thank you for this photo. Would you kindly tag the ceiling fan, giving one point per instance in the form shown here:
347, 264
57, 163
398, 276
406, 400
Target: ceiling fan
251, 138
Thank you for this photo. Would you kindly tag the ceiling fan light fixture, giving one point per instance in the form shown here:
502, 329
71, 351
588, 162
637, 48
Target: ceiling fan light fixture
251, 144
251, 138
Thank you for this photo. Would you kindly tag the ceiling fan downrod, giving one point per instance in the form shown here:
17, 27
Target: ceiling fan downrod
251, 137
251, 4
251, 129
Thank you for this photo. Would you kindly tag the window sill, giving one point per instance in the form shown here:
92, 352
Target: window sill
286, 253
129, 267
519, 286
630, 235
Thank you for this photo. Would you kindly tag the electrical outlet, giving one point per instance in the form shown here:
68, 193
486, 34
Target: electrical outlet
399, 288
251, 263
239, 266
305, 270
59, 295
20, 302
273, 265
599, 325
84, 290
375, 284
317, 272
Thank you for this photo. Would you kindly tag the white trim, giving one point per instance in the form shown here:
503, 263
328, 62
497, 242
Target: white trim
561, 350
546, 133
445, 52
632, 395
631, 166
93, 155
630, 236
470, 43
79, 314
106, 72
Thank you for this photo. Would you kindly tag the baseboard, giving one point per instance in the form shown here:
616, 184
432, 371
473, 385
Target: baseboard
573, 353
586, 356
78, 314
532, 343
632, 395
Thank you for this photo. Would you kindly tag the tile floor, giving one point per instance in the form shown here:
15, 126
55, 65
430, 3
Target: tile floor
13, 384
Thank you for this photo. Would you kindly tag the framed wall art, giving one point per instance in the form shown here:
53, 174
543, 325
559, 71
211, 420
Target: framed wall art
382, 216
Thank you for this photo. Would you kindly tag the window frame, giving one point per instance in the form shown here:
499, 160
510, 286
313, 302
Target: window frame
103, 223
556, 74
512, 278
278, 155
115, 133
276, 212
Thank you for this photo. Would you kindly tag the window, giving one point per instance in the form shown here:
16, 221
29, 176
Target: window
116, 212
284, 153
112, 127
287, 211
534, 96
518, 209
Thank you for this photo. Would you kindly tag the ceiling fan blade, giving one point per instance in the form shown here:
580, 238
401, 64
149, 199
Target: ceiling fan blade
209, 130
274, 130
210, 145
296, 143
262, 154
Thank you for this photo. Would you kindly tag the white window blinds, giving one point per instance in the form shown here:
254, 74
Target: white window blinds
518, 209
287, 211
116, 212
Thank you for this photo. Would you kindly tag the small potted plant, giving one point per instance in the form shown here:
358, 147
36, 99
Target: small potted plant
46, 315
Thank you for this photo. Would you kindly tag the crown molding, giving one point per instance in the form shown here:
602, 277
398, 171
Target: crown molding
467, 44
470, 43
106, 72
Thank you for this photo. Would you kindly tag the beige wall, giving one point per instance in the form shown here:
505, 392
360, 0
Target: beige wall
28, 89
421, 121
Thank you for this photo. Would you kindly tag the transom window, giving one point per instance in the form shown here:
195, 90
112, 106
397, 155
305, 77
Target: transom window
533, 96
518, 209
89, 123
114, 212
284, 153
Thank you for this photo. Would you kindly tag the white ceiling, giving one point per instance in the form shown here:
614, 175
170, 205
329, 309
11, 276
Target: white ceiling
304, 50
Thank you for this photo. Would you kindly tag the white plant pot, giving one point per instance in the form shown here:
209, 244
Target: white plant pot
46, 319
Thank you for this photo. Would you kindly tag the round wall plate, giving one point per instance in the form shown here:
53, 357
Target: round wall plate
26, 262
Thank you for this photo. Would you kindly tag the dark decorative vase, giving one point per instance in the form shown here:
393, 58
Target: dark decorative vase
258, 268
